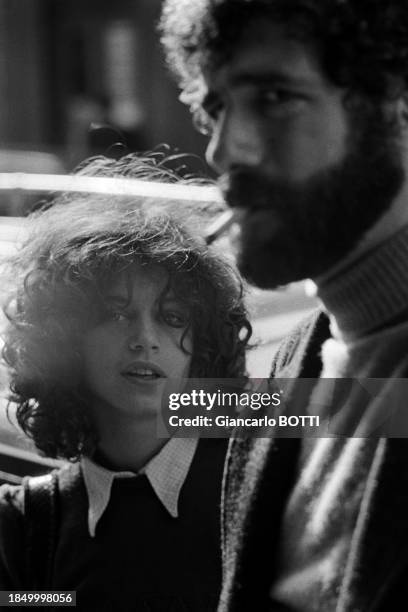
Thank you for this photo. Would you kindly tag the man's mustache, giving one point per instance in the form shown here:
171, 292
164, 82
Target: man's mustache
238, 185
244, 188
240, 177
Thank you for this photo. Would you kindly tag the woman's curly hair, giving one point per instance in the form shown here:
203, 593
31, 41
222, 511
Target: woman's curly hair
362, 44
71, 251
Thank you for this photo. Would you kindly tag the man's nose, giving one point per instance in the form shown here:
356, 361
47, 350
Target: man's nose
235, 141
143, 336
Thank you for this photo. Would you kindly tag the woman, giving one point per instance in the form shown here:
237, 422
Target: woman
117, 302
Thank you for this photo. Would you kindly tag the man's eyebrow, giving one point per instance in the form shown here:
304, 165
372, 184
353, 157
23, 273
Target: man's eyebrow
260, 79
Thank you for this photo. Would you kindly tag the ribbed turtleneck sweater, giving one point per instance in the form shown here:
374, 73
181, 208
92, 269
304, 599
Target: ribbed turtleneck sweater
371, 295
368, 307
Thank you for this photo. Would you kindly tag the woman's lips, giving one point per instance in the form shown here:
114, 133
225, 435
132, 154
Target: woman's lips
142, 371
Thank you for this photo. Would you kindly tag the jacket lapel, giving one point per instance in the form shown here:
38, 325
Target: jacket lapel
259, 475
252, 512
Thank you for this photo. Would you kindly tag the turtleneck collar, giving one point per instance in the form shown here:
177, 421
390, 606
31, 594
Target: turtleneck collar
372, 291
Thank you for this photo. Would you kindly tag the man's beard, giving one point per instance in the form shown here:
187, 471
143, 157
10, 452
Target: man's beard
294, 231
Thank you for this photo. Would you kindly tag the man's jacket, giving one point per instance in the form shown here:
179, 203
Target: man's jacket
260, 473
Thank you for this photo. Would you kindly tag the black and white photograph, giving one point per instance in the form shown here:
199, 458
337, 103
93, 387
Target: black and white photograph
203, 305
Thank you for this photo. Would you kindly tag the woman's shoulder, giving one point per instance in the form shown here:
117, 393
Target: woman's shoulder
13, 497
12, 534
27, 514
11, 501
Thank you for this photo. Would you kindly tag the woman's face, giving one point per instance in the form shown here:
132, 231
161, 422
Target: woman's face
134, 353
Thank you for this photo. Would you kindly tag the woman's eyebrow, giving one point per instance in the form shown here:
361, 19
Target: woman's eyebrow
116, 300
173, 300
170, 296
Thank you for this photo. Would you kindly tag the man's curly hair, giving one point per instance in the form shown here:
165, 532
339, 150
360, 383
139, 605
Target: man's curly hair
362, 44
71, 252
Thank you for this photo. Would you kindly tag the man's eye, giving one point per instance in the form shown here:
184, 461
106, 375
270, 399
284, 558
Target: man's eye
278, 98
175, 319
276, 95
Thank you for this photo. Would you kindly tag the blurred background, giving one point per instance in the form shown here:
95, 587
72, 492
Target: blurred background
87, 77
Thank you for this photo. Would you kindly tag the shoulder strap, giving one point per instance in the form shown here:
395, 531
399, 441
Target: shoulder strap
40, 511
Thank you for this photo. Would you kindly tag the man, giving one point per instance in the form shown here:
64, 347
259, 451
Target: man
306, 106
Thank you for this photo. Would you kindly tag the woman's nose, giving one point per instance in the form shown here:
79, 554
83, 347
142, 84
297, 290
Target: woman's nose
143, 336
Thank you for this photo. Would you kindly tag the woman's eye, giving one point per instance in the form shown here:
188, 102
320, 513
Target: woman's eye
175, 319
117, 315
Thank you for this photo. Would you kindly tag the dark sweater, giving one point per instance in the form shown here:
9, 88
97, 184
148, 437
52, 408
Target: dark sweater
141, 558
